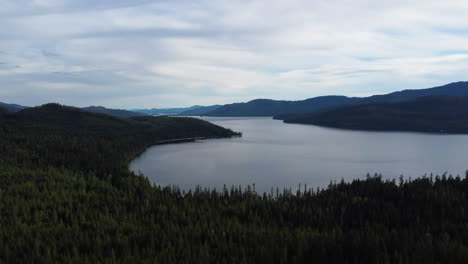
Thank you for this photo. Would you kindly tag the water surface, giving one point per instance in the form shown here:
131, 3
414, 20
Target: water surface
274, 154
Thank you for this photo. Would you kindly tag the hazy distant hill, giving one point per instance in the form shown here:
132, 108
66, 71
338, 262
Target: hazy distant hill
12, 107
166, 111
266, 107
438, 113
201, 110
287, 109
112, 112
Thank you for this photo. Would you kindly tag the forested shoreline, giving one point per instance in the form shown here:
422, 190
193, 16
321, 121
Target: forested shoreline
431, 114
67, 196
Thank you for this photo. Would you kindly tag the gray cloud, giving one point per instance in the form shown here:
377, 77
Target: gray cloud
144, 53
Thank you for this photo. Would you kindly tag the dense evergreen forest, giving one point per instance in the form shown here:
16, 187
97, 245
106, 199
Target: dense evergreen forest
436, 114
66, 196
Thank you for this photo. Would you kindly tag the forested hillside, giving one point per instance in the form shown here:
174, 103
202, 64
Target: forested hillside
66, 196
441, 114
60, 136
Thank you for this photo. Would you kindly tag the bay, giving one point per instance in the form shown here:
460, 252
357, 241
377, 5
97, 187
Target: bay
272, 154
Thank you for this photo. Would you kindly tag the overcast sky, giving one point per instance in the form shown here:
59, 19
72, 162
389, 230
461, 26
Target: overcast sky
144, 54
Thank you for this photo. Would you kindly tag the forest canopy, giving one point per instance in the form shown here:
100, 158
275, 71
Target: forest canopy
66, 196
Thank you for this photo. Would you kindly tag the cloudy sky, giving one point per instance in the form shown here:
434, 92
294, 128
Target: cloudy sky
142, 53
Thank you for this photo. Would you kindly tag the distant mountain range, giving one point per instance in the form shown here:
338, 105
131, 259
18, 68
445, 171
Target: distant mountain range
436, 113
283, 110
286, 109
267, 107
195, 110
112, 112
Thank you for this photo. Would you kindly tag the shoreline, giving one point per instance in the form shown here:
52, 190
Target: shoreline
173, 141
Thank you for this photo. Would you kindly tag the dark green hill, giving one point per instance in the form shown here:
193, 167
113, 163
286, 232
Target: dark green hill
78, 121
112, 112
91, 140
266, 107
445, 114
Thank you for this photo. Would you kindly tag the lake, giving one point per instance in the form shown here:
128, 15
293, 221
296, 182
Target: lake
273, 154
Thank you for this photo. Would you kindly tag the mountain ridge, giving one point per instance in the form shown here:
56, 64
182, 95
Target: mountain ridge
281, 109
434, 114
269, 107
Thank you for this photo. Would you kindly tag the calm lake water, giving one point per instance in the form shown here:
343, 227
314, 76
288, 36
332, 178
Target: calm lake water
274, 154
